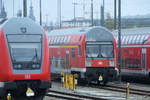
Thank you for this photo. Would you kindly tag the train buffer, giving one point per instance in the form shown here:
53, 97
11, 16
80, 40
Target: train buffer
69, 80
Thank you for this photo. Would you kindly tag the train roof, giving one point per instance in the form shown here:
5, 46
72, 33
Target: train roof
133, 31
134, 35
96, 33
21, 25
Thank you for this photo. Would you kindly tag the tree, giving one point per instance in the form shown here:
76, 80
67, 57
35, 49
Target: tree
109, 23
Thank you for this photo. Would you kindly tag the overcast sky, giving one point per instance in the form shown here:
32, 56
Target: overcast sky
49, 7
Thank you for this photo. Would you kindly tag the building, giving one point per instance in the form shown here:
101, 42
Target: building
80, 22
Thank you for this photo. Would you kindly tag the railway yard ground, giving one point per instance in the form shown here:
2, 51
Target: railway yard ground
113, 91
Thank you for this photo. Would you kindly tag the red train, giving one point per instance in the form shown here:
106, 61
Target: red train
24, 60
135, 51
90, 52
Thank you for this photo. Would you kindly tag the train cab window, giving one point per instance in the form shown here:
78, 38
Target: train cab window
73, 52
79, 50
25, 50
99, 50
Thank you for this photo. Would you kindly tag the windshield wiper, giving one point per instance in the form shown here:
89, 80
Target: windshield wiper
35, 56
13, 57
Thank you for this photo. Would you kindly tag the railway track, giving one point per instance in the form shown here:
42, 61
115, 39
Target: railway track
71, 96
123, 90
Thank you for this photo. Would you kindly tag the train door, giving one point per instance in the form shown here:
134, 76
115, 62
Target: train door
67, 60
144, 60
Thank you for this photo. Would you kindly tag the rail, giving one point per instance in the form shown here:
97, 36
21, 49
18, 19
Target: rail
70, 96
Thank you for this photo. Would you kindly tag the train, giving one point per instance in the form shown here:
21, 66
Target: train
24, 60
90, 52
135, 51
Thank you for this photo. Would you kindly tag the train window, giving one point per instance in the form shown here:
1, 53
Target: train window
73, 52
134, 39
117, 39
25, 50
127, 40
130, 39
145, 38
79, 50
68, 39
58, 39
123, 39
49, 40
99, 51
61, 40
142, 38
65, 38
53, 40
138, 39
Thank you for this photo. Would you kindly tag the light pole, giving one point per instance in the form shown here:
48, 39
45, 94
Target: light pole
25, 8
59, 12
13, 7
103, 14
119, 38
40, 13
92, 23
74, 13
115, 3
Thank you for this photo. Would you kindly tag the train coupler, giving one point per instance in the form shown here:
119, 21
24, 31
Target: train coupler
29, 92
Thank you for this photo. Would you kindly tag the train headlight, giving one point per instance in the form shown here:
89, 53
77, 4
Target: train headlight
17, 66
34, 66
38, 66
88, 63
111, 63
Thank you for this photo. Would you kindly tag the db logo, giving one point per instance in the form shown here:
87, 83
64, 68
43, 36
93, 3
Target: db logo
100, 63
27, 76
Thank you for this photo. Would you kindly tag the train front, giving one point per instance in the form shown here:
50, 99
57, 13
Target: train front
101, 55
27, 69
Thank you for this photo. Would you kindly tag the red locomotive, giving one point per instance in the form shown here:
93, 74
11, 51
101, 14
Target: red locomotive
24, 60
135, 51
90, 52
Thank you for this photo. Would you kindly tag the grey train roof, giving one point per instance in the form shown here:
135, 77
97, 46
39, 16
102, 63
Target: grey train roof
16, 25
134, 35
91, 33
